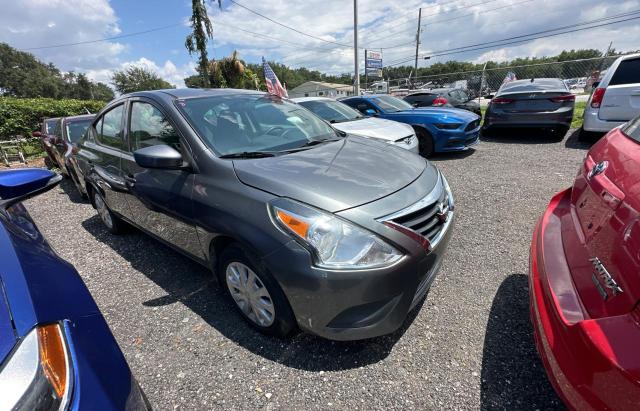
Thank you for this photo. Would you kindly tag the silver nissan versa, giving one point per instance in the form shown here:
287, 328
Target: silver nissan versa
305, 226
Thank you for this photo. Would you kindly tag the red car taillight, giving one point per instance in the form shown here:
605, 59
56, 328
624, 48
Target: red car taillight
562, 99
596, 98
440, 101
501, 100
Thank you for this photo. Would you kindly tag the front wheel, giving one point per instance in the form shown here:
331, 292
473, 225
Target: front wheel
255, 293
112, 222
425, 143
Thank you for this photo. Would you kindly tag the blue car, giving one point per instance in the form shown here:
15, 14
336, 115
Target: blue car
56, 350
438, 129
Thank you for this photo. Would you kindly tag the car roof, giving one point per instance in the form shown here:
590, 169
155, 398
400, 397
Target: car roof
304, 99
182, 93
534, 84
78, 118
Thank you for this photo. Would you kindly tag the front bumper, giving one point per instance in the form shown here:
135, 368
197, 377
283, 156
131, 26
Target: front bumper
455, 140
356, 304
592, 363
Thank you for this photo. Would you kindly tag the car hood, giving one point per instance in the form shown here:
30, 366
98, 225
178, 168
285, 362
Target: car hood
376, 128
334, 176
438, 112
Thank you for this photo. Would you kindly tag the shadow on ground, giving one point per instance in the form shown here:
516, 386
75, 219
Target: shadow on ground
520, 136
71, 190
194, 286
453, 155
513, 377
573, 141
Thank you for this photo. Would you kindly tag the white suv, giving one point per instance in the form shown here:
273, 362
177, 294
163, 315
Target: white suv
616, 99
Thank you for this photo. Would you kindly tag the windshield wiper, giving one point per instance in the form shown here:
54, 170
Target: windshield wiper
344, 120
249, 154
312, 143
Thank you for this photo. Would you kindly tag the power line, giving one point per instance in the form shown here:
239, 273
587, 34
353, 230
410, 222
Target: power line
288, 27
469, 48
105, 38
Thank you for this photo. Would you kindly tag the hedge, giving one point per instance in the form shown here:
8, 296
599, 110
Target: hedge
21, 116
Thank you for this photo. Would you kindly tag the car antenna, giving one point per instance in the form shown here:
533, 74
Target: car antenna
87, 110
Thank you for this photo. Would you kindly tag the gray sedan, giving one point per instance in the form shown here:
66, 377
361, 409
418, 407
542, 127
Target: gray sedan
538, 103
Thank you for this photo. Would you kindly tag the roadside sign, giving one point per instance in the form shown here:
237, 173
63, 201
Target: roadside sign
373, 63
376, 55
373, 72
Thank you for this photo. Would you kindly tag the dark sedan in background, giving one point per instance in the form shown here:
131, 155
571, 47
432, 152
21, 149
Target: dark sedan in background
56, 350
544, 103
447, 97
305, 226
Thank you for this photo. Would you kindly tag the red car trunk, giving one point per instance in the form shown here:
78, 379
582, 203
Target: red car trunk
603, 251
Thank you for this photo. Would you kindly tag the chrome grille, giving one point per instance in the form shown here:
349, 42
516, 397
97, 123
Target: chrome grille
430, 217
426, 221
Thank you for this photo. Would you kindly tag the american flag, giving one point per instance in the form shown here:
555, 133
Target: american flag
511, 76
273, 84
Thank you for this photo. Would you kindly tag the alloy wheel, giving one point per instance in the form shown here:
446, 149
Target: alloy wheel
250, 294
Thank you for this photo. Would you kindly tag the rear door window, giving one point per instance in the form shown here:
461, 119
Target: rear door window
109, 128
628, 72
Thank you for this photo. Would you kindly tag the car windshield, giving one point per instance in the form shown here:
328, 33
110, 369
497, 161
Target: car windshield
76, 129
392, 104
248, 123
332, 111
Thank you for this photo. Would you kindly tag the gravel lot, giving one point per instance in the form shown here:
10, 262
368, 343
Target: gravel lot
469, 346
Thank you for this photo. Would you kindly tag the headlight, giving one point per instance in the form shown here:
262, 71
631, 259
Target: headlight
38, 373
336, 244
448, 126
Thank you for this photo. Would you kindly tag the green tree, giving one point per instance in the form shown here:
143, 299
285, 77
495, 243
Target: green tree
137, 78
228, 72
201, 32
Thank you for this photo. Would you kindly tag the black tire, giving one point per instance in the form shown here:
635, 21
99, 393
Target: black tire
283, 321
76, 182
113, 223
559, 133
425, 142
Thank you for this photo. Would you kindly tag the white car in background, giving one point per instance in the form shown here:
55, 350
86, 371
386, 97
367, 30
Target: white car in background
346, 119
616, 99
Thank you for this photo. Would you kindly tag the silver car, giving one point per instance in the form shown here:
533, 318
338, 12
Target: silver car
346, 119
537, 103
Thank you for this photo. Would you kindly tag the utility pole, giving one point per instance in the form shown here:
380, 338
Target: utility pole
356, 83
415, 65
366, 75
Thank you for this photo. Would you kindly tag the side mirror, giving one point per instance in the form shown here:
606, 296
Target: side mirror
18, 185
370, 112
160, 156
36, 134
489, 96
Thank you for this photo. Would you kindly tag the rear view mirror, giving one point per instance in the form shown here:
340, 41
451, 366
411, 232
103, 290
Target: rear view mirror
370, 112
18, 185
160, 156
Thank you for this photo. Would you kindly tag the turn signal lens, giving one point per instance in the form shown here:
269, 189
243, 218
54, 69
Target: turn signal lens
53, 358
597, 97
501, 100
293, 223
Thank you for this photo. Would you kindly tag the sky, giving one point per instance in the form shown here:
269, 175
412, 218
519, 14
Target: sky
326, 45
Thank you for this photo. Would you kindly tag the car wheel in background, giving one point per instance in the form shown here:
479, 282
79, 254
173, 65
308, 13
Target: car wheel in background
425, 142
559, 133
113, 223
255, 293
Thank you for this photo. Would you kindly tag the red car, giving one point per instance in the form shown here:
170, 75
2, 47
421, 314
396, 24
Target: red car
584, 281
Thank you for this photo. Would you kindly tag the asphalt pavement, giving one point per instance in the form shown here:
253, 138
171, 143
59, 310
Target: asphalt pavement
468, 346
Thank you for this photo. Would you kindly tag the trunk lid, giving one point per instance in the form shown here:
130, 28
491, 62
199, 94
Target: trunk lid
605, 255
533, 102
